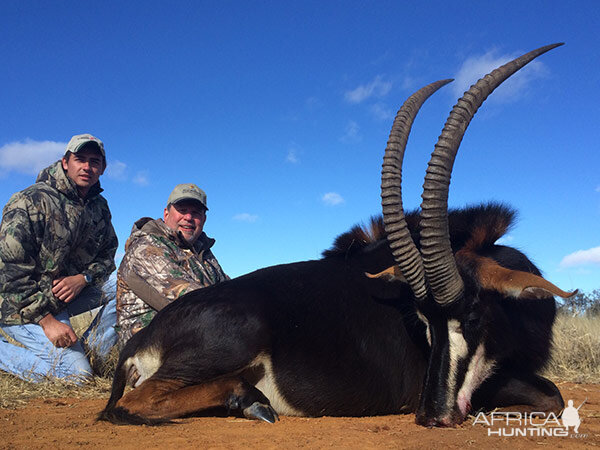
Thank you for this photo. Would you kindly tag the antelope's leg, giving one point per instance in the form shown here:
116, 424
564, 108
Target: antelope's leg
167, 399
531, 393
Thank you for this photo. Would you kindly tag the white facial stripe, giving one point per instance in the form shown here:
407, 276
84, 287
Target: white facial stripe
479, 369
458, 351
427, 332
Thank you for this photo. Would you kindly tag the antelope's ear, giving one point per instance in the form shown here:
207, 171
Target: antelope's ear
516, 283
392, 273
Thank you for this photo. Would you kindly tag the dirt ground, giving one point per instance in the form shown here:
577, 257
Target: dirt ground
70, 422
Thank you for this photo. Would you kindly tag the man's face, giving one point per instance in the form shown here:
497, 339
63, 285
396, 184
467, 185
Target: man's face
84, 168
187, 217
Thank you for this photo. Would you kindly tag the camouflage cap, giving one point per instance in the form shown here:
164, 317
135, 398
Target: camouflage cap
187, 191
79, 140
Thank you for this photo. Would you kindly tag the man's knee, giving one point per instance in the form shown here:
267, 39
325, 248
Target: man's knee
73, 364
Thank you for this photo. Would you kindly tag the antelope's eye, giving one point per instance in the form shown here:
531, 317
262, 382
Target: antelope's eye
471, 326
472, 319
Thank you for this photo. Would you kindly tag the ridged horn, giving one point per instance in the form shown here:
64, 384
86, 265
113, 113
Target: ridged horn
403, 248
440, 267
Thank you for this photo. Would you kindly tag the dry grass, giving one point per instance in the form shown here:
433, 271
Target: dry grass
576, 358
15, 392
576, 353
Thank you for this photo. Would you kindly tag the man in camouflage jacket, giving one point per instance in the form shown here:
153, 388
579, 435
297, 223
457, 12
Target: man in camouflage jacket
164, 259
57, 247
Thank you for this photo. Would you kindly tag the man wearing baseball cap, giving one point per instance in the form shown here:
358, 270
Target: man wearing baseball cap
164, 259
57, 248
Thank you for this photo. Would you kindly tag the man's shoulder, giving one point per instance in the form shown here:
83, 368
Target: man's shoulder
147, 231
148, 226
38, 188
33, 194
147, 245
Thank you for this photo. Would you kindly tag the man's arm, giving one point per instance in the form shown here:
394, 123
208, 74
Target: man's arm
67, 288
219, 274
103, 263
60, 334
22, 297
151, 272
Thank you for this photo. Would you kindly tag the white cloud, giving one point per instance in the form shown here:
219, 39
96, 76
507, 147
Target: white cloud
115, 169
581, 257
313, 103
408, 83
246, 217
376, 88
351, 132
332, 199
30, 156
476, 67
382, 111
141, 178
292, 156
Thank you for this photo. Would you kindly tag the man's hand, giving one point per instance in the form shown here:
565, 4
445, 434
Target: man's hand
67, 288
60, 334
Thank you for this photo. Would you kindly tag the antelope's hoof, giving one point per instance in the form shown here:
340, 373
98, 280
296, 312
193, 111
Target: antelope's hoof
260, 411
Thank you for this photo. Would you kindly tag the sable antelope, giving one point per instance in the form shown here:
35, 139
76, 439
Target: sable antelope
456, 322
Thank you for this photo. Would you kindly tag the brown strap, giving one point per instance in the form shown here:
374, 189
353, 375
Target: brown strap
147, 293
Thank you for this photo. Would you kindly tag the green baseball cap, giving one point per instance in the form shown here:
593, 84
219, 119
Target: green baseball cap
78, 141
187, 191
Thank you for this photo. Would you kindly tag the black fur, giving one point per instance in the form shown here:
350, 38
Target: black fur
342, 343
494, 218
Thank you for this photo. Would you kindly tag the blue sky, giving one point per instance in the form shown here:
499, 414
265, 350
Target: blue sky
281, 111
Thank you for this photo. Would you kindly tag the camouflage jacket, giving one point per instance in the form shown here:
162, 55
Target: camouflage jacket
158, 267
49, 231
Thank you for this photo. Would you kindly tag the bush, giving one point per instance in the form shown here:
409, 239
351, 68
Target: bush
581, 304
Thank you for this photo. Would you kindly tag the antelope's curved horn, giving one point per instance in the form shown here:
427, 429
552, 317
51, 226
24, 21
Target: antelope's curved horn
515, 283
440, 267
403, 248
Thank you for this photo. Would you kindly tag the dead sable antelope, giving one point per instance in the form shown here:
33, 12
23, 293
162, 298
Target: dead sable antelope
456, 323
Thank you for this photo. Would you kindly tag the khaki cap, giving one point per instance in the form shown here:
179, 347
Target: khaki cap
79, 140
187, 191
